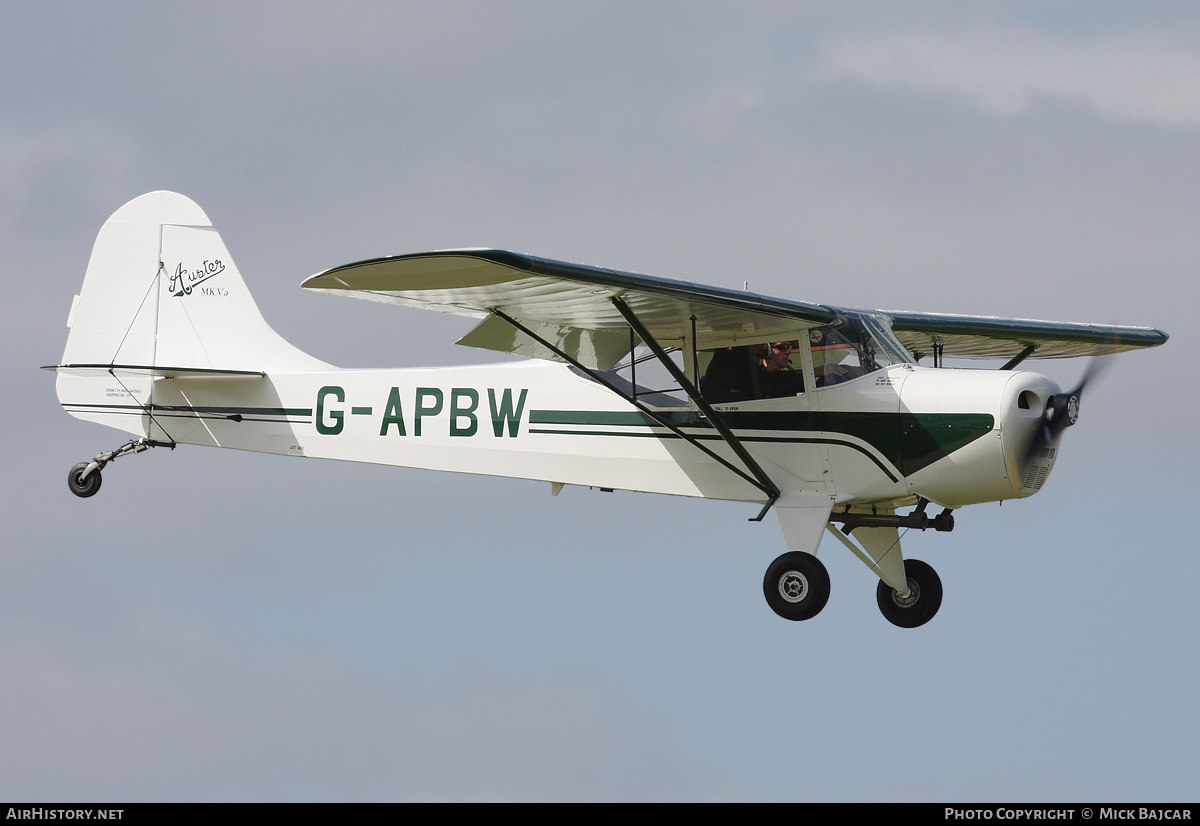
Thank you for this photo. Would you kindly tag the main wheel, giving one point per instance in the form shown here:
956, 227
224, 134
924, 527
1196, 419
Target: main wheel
796, 586
83, 487
922, 602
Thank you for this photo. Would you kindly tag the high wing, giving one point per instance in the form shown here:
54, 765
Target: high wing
569, 305
983, 337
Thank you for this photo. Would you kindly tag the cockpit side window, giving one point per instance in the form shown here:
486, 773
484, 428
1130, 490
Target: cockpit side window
750, 371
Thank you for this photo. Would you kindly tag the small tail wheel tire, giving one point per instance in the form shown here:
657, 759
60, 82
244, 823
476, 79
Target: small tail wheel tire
796, 586
923, 600
81, 487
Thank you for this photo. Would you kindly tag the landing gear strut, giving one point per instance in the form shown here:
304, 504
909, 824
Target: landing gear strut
84, 479
796, 586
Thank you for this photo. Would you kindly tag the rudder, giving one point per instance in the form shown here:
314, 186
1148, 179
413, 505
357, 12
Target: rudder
161, 292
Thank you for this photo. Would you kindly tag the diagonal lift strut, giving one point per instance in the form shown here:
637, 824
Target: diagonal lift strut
760, 479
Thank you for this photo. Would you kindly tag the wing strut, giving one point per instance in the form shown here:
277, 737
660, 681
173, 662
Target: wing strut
763, 482
1020, 357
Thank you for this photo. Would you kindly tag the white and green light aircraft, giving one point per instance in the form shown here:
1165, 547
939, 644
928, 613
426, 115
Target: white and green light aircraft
821, 413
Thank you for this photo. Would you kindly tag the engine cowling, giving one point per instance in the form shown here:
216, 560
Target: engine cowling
976, 428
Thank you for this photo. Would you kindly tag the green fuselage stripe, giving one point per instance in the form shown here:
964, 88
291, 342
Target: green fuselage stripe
909, 441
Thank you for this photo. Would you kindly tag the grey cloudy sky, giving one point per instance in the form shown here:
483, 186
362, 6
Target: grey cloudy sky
224, 626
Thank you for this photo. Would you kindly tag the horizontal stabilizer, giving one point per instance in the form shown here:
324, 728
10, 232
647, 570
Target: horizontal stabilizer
149, 370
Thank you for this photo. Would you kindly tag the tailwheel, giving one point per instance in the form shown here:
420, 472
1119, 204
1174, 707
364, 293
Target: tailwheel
922, 601
796, 586
82, 485
84, 478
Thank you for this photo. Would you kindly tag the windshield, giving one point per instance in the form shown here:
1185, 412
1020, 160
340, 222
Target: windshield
852, 346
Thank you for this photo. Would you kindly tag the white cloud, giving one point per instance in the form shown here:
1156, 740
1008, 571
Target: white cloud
1150, 77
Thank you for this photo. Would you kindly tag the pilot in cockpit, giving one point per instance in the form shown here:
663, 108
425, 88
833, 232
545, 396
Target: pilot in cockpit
758, 371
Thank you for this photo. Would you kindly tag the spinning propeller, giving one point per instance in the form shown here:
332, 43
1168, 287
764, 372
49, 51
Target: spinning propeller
1062, 410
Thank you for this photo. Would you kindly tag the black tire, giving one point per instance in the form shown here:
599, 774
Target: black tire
921, 604
83, 488
796, 586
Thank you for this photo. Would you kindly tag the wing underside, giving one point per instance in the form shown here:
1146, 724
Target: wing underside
569, 305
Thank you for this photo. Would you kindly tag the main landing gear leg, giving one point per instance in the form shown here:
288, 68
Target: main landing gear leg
909, 592
84, 479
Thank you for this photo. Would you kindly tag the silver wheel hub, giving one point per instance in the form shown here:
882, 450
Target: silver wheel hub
793, 586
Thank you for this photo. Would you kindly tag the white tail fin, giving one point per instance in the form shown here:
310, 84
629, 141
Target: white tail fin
161, 292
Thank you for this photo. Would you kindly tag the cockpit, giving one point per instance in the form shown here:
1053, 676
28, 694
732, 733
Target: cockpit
854, 345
